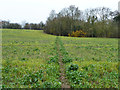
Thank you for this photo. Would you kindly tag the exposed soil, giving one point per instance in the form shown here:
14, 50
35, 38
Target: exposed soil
63, 78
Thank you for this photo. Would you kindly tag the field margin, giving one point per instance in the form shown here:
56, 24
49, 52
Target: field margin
0, 56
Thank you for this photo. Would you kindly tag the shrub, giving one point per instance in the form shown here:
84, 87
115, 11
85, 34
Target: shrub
78, 33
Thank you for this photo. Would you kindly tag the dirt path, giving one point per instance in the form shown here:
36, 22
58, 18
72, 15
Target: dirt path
63, 78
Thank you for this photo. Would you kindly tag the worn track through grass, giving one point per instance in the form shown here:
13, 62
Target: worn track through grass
63, 78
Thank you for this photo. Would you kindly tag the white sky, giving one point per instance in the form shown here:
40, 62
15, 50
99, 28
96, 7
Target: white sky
34, 11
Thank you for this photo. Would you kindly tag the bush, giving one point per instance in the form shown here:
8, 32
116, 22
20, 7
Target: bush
78, 33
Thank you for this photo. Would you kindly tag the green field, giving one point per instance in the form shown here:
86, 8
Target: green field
30, 59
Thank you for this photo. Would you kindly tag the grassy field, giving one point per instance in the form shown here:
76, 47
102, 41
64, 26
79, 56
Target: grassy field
31, 59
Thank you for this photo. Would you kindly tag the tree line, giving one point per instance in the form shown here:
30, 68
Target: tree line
33, 26
95, 22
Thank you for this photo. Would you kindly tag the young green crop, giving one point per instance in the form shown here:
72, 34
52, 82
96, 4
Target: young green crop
25, 60
97, 59
30, 60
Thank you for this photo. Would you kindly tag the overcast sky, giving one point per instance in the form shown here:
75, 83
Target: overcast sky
38, 10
